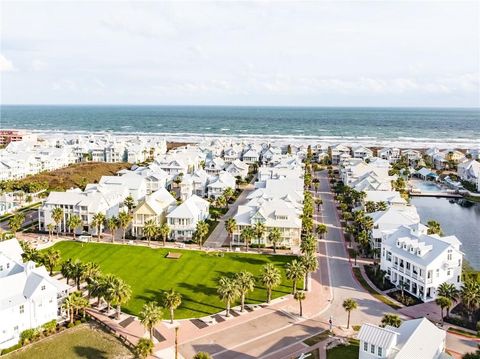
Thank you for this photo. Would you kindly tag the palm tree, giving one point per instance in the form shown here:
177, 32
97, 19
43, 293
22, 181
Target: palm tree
245, 284
164, 231
308, 244
143, 348
434, 228
349, 305
318, 202
50, 259
470, 295
57, 216
294, 271
246, 236
150, 229
443, 302
201, 232
259, 230
129, 203
77, 272
227, 291
150, 315
271, 278
228, 193
448, 290
310, 265
98, 222
222, 202
300, 296
66, 270
391, 319
321, 230
124, 219
15, 222
230, 226
171, 301
50, 228
73, 222
112, 225
275, 237
119, 292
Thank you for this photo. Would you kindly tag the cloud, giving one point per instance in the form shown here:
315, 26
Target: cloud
5, 64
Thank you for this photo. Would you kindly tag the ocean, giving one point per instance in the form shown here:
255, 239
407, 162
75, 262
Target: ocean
406, 127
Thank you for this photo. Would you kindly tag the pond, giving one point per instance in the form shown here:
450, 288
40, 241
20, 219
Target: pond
456, 217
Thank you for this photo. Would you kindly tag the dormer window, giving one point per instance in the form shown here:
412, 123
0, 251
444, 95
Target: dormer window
43, 287
380, 352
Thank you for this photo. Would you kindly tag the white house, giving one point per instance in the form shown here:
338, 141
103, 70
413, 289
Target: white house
183, 219
413, 156
238, 168
361, 152
391, 154
470, 171
29, 297
389, 197
218, 184
420, 261
231, 154
337, 151
415, 338
393, 218
214, 166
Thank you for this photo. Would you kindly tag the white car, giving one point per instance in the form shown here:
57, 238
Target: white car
84, 238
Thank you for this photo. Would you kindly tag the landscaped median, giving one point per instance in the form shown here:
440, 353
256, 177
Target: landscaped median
372, 291
194, 275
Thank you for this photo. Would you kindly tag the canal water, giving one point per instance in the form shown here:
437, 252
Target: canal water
456, 216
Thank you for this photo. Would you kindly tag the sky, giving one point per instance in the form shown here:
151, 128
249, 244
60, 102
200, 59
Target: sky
241, 53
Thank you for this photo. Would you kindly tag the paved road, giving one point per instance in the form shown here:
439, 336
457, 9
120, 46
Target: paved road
219, 235
31, 216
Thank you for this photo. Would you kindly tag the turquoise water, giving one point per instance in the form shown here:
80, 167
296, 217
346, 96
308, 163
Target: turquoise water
456, 217
363, 124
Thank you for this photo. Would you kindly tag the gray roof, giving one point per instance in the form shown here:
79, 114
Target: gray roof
380, 337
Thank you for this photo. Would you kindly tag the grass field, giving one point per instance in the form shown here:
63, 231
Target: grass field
79, 342
344, 351
194, 275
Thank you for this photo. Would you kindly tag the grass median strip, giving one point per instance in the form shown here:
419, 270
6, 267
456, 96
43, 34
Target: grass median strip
372, 291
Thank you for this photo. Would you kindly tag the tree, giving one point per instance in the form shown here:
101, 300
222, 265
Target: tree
164, 231
124, 219
98, 222
434, 228
230, 226
129, 203
112, 225
370, 206
201, 231
50, 259
16, 222
57, 216
318, 202
275, 236
143, 348
222, 202
171, 301
149, 316
259, 230
67, 270
73, 222
448, 290
271, 278
294, 271
119, 292
245, 284
470, 295
227, 291
246, 236
443, 302
228, 193
300, 296
321, 230
391, 319
308, 245
77, 271
50, 228
202, 355
310, 265
349, 305
150, 230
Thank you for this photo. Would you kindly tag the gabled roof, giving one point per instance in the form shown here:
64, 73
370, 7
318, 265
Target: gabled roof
380, 337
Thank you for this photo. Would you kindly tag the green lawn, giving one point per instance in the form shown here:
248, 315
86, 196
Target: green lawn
79, 342
344, 351
194, 275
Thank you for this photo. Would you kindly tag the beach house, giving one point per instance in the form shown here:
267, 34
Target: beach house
183, 218
29, 297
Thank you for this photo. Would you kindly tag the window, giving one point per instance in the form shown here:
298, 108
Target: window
1, 268
380, 352
8, 265
372, 349
448, 272
449, 255
43, 287
458, 279
365, 346
22, 309
408, 265
437, 272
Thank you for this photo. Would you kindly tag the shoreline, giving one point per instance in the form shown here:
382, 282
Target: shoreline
294, 139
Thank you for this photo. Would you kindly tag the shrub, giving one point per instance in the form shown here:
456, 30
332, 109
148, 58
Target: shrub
28, 336
70, 325
50, 327
11, 349
78, 322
